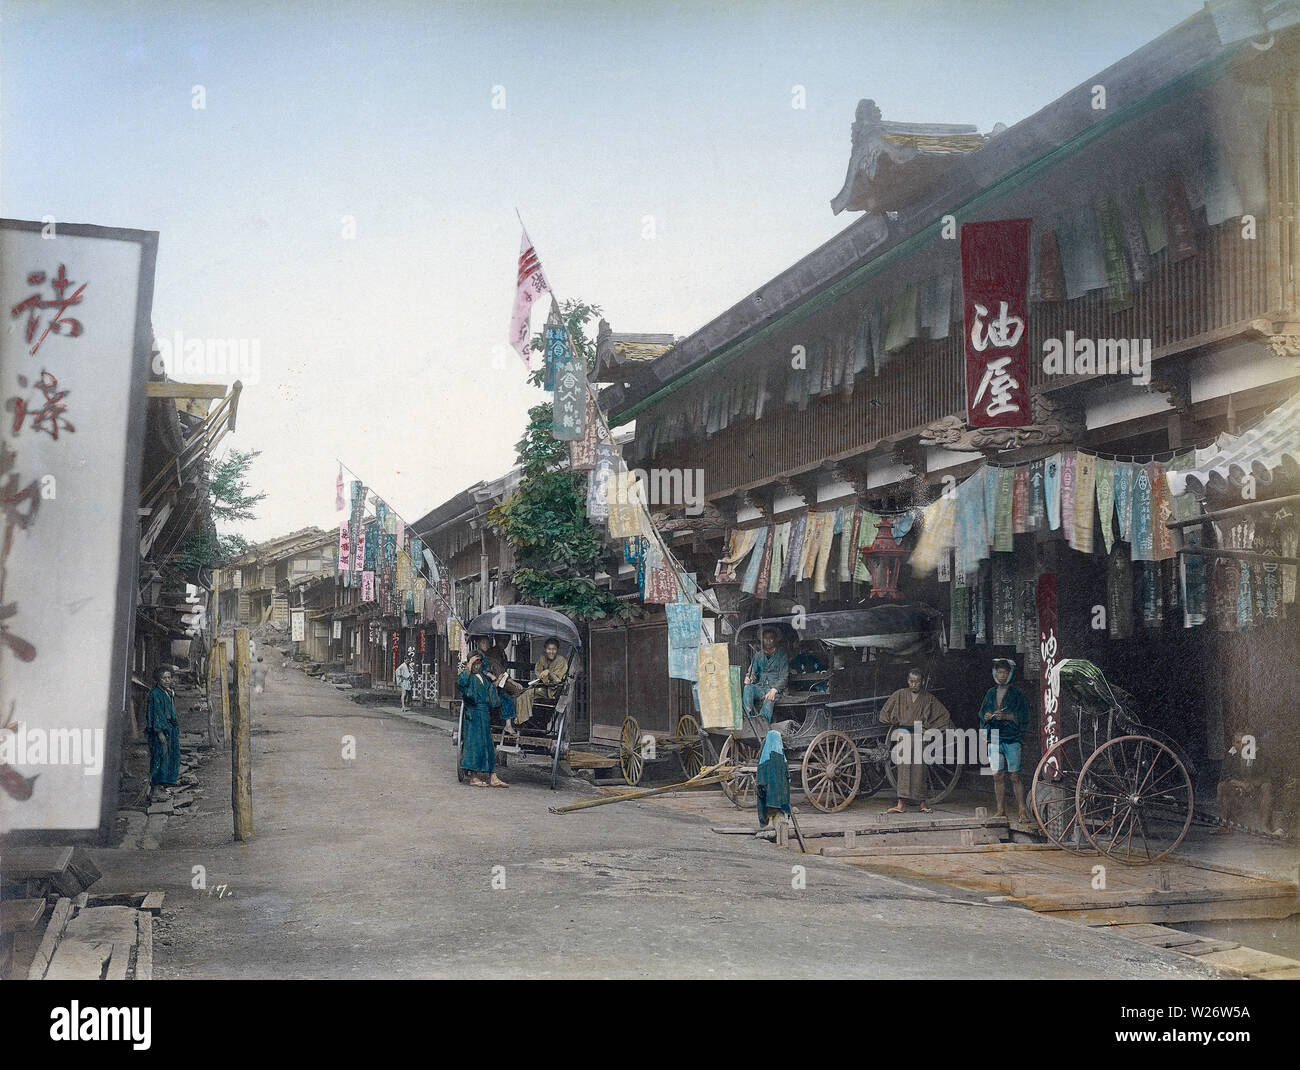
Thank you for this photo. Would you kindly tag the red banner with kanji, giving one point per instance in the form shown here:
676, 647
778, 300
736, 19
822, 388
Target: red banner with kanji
1049, 683
995, 300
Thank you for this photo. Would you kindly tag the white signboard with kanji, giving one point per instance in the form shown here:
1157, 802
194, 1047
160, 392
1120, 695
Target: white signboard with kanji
74, 358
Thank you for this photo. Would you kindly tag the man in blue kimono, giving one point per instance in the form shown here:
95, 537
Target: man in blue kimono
163, 730
481, 697
1005, 710
768, 675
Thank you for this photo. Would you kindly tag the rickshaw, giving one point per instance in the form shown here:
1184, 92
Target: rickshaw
515, 623
1110, 782
830, 719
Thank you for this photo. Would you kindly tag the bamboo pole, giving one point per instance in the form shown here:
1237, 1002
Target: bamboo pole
698, 781
241, 772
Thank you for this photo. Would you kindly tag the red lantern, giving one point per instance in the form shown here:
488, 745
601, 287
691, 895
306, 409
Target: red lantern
884, 559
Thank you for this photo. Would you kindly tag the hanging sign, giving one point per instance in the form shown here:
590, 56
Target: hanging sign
569, 410
74, 358
1050, 682
995, 286
297, 625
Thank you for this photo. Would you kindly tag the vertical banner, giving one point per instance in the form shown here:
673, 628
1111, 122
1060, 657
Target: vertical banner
297, 625
1049, 687
569, 409
74, 359
995, 289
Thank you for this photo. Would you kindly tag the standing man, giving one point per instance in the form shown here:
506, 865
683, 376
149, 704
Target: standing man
164, 732
768, 675
404, 678
1005, 709
912, 709
480, 697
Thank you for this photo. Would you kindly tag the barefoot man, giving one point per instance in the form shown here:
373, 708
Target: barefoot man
1006, 710
912, 709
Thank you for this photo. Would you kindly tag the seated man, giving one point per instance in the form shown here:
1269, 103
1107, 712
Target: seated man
549, 674
806, 661
766, 680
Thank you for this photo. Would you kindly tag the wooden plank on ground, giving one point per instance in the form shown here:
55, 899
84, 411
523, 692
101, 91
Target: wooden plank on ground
1203, 947
34, 863
78, 960
153, 902
1247, 960
144, 952
20, 915
53, 934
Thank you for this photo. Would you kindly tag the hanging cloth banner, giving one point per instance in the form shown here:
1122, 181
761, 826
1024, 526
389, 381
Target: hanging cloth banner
978, 616
1105, 483
624, 508
959, 610
1124, 498
381, 513
750, 583
1004, 600
338, 491
1119, 595
1162, 512
1141, 533
1051, 279
854, 546
1112, 251
569, 409
684, 629
1020, 517
796, 545
1037, 497
1003, 541
867, 529
556, 348
995, 301
938, 523
598, 481
822, 563
367, 586
399, 529
1085, 484
1068, 461
1052, 490
582, 454
780, 546
715, 686
972, 539
1153, 610
359, 554
765, 565
345, 549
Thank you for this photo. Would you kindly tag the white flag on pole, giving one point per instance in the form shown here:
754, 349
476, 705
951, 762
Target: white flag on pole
530, 284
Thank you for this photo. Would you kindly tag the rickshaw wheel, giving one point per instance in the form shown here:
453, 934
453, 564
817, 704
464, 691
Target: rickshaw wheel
741, 788
1134, 800
629, 751
1054, 798
943, 778
832, 771
559, 749
690, 745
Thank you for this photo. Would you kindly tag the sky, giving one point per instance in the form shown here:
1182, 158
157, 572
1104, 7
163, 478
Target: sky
335, 185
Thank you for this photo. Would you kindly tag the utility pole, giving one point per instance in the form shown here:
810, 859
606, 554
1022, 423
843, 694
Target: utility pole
241, 769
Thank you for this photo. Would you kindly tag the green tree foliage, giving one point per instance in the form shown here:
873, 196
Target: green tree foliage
229, 499
556, 547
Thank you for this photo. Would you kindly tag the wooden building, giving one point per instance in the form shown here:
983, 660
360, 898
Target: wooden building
1170, 197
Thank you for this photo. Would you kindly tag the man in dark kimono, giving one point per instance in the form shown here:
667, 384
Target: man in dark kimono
912, 709
481, 697
495, 668
1005, 709
768, 675
163, 731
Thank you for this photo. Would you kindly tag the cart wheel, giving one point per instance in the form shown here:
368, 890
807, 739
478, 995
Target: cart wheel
559, 749
629, 751
875, 775
690, 745
1134, 800
740, 789
942, 777
1052, 794
460, 744
832, 771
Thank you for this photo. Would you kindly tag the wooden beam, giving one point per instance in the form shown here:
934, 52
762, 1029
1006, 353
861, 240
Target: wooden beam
185, 390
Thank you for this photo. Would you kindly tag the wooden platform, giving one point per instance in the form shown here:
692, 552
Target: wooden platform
1055, 882
1223, 954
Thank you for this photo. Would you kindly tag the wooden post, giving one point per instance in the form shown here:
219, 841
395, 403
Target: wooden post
225, 694
241, 770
